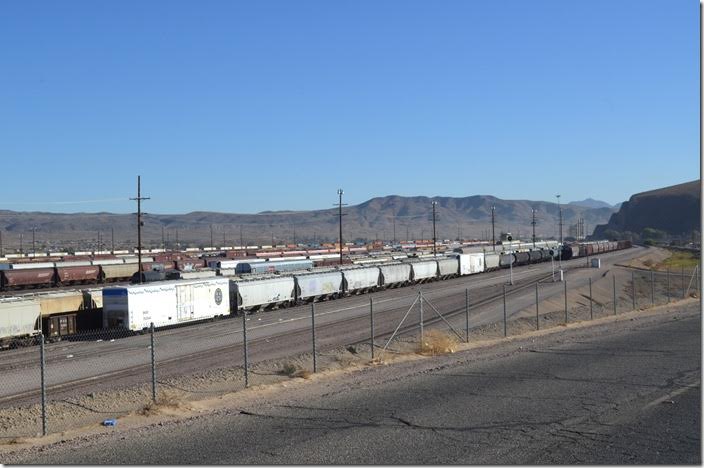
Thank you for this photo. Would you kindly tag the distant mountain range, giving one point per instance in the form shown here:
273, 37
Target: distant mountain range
591, 203
674, 210
468, 217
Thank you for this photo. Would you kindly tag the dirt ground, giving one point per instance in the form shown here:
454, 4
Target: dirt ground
650, 259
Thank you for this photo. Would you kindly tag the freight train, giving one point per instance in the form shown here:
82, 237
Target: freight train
182, 301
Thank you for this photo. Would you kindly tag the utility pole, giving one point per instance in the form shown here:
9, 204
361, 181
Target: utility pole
162, 238
178, 246
559, 209
211, 236
339, 207
21, 249
394, 228
34, 252
224, 242
493, 234
241, 238
435, 241
407, 238
112, 237
139, 226
533, 223
1, 251
294, 234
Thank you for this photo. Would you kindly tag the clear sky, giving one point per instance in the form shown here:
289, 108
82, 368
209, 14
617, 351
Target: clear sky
266, 105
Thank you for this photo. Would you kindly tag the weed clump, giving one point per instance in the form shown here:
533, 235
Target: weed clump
436, 342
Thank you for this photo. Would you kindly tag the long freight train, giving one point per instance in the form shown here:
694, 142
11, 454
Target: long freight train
164, 303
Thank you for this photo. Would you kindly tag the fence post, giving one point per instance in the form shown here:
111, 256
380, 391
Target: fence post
371, 323
684, 294
537, 309
591, 303
652, 288
566, 317
420, 294
466, 314
43, 381
633, 286
505, 331
668, 285
312, 321
151, 339
244, 348
614, 277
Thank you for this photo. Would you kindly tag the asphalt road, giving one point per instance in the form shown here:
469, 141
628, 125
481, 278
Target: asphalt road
614, 393
281, 333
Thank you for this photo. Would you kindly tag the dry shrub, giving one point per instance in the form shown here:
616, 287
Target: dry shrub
288, 369
165, 399
303, 374
436, 342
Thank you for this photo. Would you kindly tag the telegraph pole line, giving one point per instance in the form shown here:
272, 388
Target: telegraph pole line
394, 220
163, 243
2, 254
112, 238
493, 234
211, 236
339, 207
435, 241
34, 252
241, 238
533, 223
139, 225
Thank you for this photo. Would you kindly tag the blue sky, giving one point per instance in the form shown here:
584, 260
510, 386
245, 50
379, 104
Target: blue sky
249, 106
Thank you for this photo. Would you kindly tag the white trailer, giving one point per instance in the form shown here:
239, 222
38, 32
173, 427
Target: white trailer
263, 293
359, 279
316, 285
19, 317
165, 303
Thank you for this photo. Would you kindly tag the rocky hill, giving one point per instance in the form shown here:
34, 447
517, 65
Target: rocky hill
674, 211
468, 217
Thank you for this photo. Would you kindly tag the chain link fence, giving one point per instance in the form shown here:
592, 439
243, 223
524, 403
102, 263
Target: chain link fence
99, 376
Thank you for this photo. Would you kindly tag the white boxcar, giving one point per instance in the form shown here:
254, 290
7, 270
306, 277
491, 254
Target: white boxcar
360, 278
448, 266
165, 303
471, 263
395, 273
314, 285
264, 292
425, 270
231, 264
19, 317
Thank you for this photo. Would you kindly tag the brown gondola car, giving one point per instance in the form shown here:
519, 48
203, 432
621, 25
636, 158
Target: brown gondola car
77, 274
39, 277
59, 325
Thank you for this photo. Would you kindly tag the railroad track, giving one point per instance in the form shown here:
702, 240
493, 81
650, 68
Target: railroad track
143, 369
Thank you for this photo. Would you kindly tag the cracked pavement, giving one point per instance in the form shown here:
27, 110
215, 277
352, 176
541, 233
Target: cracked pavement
613, 393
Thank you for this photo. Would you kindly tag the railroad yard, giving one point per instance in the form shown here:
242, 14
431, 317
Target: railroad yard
89, 378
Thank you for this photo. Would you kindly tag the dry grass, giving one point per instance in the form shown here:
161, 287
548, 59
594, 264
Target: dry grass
437, 342
165, 399
303, 374
679, 259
